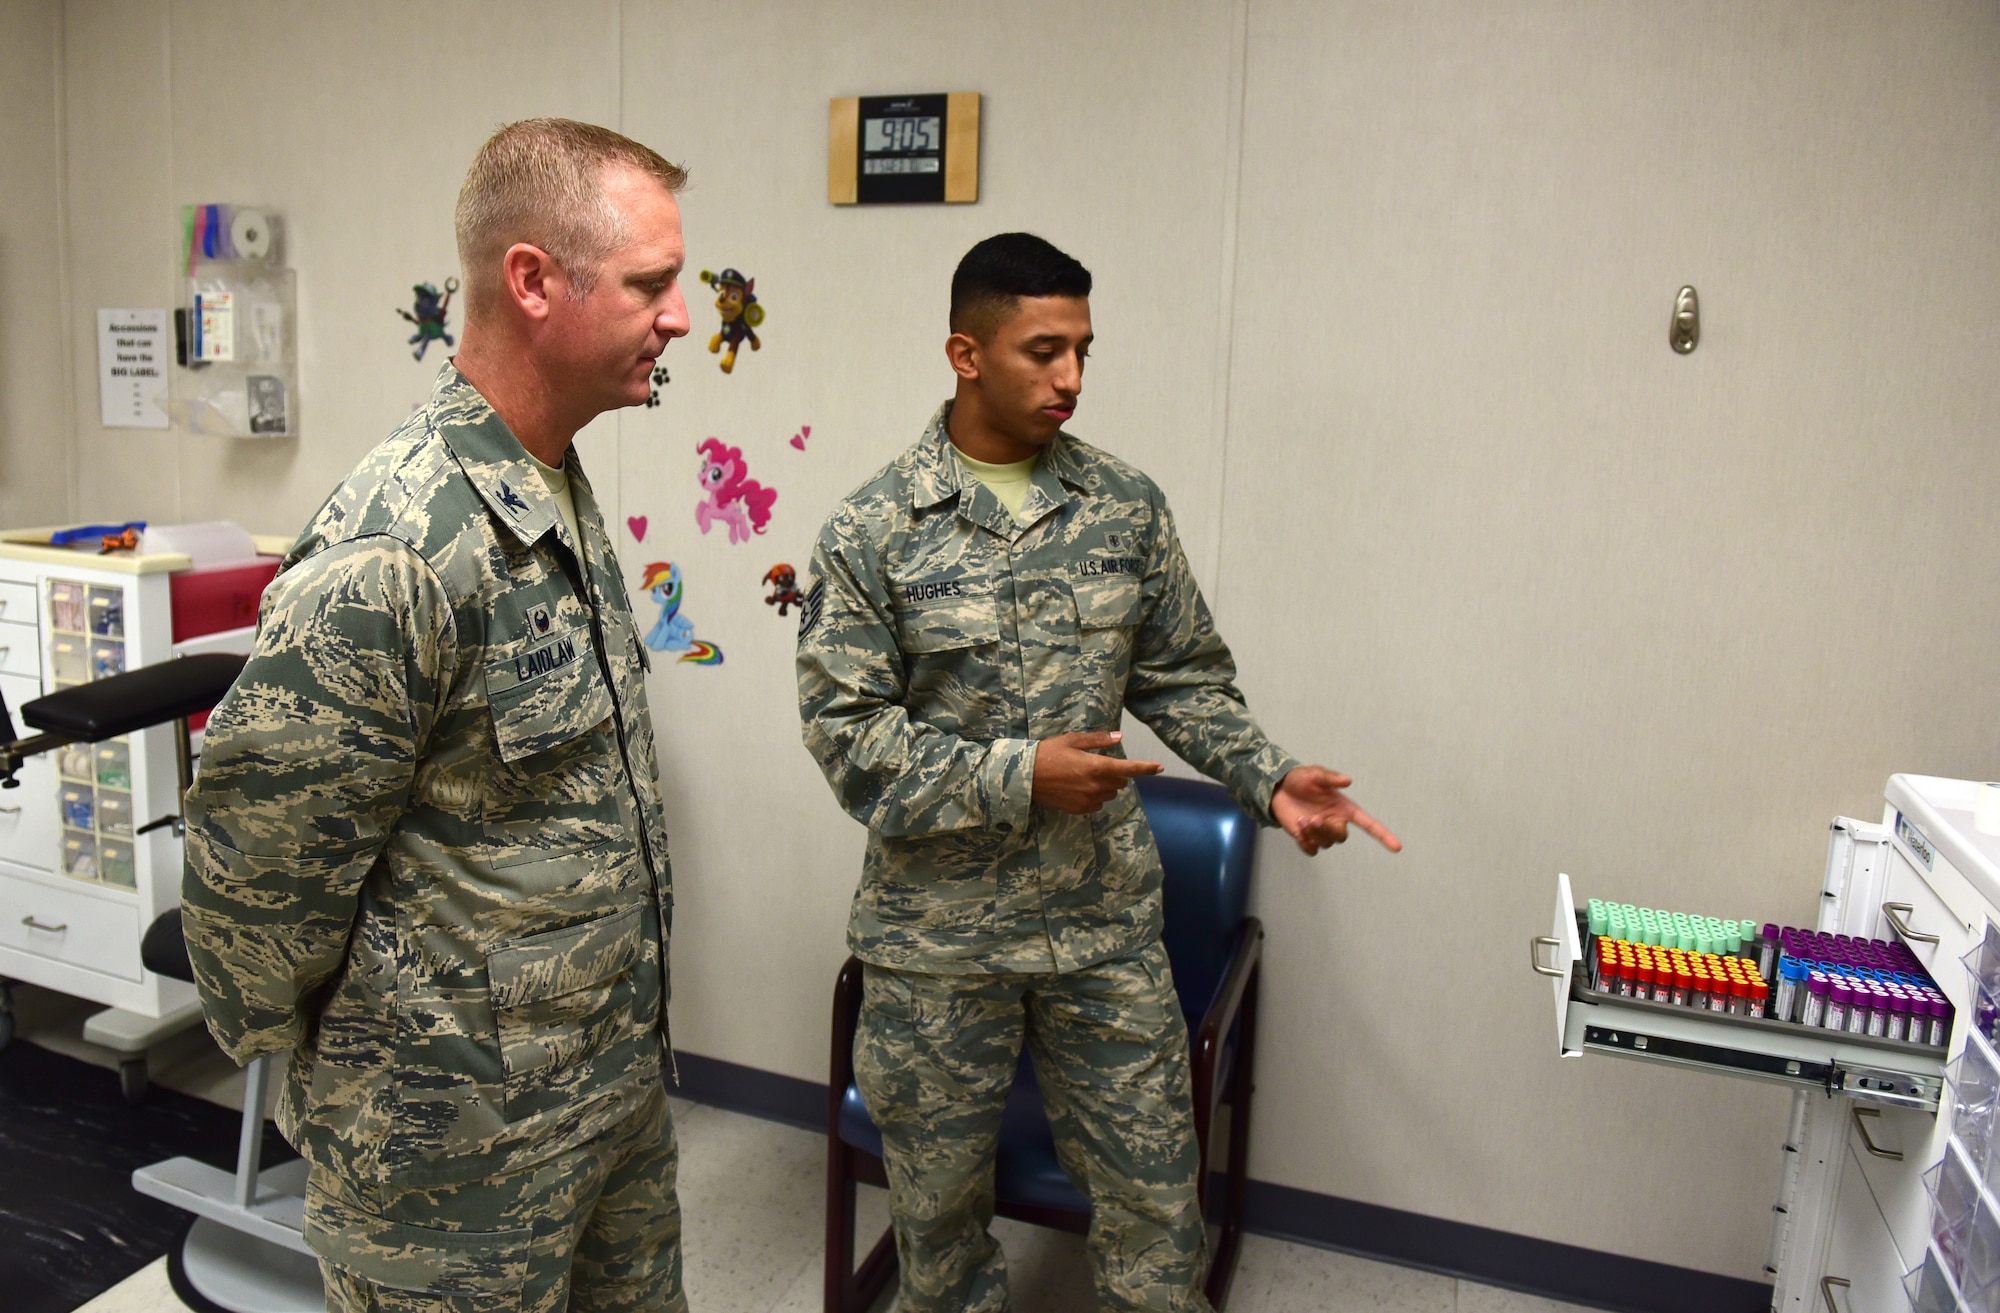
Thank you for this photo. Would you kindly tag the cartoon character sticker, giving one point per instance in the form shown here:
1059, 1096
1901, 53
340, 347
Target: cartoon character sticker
730, 495
428, 314
736, 302
674, 632
784, 582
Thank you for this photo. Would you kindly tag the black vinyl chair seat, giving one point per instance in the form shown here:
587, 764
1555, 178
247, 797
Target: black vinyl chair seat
164, 950
136, 700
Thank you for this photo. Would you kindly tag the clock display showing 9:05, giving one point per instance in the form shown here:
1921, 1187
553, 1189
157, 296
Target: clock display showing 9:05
902, 135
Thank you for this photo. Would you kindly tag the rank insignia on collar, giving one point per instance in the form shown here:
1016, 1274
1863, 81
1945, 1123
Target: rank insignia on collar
809, 610
538, 620
511, 499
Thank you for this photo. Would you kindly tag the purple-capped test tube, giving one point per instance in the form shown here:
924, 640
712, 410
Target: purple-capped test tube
1818, 988
1899, 1015
1878, 1009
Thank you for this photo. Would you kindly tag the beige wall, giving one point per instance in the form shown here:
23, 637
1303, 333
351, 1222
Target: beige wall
1382, 302
34, 327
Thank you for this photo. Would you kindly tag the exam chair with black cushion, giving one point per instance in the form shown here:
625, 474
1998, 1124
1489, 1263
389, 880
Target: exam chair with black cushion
169, 691
1206, 846
244, 1250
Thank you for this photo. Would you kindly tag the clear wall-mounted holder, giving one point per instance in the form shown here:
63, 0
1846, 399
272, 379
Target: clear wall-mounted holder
237, 329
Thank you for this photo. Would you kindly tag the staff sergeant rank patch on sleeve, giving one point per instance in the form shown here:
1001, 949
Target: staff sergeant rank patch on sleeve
809, 609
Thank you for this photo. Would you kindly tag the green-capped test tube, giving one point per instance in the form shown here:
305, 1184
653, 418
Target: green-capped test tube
1598, 921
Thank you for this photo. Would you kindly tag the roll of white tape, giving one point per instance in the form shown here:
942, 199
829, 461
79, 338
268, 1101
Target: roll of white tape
1986, 809
250, 234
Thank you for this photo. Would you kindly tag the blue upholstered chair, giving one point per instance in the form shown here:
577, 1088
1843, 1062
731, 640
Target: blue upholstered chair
1206, 845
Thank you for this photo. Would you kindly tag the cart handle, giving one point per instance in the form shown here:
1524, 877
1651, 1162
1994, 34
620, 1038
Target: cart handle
1894, 913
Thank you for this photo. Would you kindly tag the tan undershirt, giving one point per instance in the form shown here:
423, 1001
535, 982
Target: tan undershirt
1010, 483
557, 482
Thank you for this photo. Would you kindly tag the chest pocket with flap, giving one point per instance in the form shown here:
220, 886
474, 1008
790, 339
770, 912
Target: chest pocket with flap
546, 695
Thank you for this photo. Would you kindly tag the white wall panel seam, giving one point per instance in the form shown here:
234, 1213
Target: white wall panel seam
66, 313
1225, 343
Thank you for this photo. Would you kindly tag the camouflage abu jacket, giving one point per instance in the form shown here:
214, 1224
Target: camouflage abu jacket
940, 640
425, 848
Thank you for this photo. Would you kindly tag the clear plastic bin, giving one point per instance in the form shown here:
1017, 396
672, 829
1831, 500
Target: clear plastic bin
107, 612
114, 812
1929, 1289
78, 805
79, 855
69, 659
1954, 1203
1982, 966
107, 658
1974, 1077
1980, 1272
66, 606
114, 764
114, 863
73, 762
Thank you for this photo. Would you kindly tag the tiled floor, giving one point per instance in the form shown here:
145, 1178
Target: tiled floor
751, 1193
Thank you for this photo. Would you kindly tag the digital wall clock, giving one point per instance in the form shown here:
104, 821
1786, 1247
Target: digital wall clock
900, 150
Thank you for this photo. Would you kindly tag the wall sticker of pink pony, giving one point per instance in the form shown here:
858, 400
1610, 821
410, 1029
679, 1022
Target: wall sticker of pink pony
730, 495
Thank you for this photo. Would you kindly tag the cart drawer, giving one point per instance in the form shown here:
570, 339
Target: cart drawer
17, 602
20, 650
71, 926
1883, 1071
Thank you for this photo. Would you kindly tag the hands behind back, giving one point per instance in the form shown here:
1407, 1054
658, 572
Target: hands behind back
1071, 775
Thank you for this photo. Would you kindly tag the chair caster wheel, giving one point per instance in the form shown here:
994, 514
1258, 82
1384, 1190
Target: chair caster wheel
132, 1080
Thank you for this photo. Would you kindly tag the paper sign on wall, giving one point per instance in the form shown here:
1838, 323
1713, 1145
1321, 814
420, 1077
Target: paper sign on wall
133, 348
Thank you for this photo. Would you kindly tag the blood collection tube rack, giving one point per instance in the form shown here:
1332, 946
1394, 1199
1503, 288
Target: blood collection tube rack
1873, 1069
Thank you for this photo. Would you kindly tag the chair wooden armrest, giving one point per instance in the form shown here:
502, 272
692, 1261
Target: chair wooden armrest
1235, 1001
848, 1290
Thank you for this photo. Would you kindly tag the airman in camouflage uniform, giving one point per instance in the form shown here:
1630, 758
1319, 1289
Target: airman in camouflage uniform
426, 854
427, 858
958, 658
942, 639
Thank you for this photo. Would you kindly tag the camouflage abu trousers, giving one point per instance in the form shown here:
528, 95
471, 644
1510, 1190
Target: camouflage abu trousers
934, 1058
595, 1230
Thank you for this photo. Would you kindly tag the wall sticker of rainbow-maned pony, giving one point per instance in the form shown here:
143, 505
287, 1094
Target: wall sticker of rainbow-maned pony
730, 494
674, 632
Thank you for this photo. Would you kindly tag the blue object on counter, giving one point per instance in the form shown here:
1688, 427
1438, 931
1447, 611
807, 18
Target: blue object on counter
92, 533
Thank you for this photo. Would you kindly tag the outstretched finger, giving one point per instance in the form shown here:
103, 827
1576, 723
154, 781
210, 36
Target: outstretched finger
1381, 832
